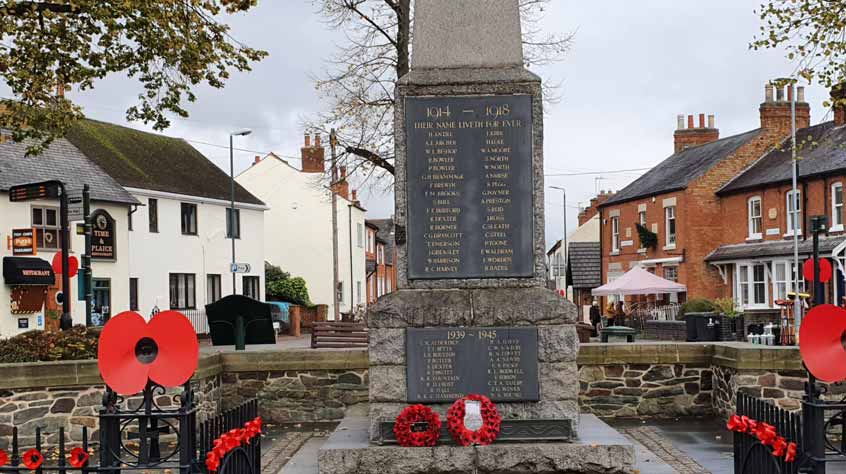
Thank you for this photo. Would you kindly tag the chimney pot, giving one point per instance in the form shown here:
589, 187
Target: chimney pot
701, 120
257, 160
343, 172
800, 94
790, 93
711, 122
680, 122
317, 139
780, 94
307, 140
768, 93
690, 121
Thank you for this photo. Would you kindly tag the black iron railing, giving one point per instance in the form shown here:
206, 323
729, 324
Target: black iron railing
246, 459
752, 457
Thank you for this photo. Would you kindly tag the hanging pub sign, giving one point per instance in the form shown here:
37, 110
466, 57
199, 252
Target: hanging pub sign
102, 236
24, 242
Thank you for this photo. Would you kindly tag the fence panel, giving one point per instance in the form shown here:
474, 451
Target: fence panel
752, 457
243, 460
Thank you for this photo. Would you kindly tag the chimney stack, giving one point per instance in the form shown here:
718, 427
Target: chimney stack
313, 156
257, 160
685, 138
775, 112
342, 186
838, 101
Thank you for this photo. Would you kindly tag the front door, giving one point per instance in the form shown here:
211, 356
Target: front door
102, 301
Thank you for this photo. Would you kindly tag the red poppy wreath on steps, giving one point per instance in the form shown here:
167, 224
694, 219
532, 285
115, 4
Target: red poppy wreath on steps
463, 423
417, 426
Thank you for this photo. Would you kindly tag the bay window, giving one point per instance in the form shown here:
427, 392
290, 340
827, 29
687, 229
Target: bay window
753, 285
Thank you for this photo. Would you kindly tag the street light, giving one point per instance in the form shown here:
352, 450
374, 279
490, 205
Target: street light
564, 241
231, 218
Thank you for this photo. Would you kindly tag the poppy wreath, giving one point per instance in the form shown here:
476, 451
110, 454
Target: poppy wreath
132, 351
491, 422
33, 459
765, 433
231, 440
411, 415
78, 458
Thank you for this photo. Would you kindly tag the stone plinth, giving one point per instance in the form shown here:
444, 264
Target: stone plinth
599, 450
558, 345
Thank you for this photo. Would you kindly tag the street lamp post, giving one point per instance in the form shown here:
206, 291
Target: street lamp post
230, 220
564, 240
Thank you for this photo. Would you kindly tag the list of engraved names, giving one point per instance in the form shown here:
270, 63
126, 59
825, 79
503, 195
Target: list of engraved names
447, 364
470, 187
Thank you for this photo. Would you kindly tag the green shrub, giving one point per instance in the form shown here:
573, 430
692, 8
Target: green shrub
292, 290
78, 343
697, 305
726, 306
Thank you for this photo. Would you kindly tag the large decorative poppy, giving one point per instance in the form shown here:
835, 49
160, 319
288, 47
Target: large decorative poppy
33, 459
132, 351
4, 458
78, 458
821, 342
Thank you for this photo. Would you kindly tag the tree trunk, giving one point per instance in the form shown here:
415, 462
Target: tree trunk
403, 36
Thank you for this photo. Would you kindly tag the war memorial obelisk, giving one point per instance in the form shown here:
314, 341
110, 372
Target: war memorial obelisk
469, 232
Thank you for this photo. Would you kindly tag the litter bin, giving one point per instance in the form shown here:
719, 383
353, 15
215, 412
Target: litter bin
702, 327
617, 334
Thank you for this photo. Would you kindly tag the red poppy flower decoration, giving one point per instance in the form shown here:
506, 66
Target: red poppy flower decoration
212, 461
417, 426
33, 459
78, 458
133, 351
790, 455
4, 458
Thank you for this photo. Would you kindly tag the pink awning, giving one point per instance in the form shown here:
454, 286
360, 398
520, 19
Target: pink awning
638, 281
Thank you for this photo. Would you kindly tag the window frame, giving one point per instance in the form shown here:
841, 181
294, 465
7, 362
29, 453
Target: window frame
675, 269
360, 235
670, 239
746, 282
182, 218
43, 228
237, 217
837, 209
214, 282
153, 215
750, 218
190, 297
615, 234
795, 214
250, 283
641, 219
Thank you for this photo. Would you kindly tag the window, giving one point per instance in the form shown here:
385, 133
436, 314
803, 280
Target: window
133, 294
794, 212
371, 240
615, 234
670, 225
358, 292
781, 284
641, 219
189, 219
387, 283
360, 235
671, 273
250, 286
212, 288
752, 282
380, 256
756, 222
837, 206
182, 291
46, 222
381, 288
153, 214
233, 223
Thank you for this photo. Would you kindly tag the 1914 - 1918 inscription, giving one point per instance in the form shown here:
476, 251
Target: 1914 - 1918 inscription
469, 187
449, 363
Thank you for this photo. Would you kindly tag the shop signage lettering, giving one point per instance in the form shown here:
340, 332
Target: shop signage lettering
24, 242
102, 236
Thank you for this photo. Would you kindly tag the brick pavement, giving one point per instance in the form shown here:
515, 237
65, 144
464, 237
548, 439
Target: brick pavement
650, 438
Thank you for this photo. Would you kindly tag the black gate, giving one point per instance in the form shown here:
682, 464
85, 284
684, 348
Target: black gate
750, 455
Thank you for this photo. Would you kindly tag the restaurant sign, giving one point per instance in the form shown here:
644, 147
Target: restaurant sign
24, 242
102, 236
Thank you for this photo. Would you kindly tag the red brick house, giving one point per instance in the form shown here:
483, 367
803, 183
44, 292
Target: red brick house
677, 201
380, 253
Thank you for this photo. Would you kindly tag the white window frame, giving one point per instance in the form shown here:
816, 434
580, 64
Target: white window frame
837, 216
793, 214
670, 238
787, 281
43, 229
752, 218
745, 275
641, 219
615, 234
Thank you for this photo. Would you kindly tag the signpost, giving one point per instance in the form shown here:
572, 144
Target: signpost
75, 207
51, 190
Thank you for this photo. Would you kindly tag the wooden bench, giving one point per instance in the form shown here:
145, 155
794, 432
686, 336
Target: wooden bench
338, 335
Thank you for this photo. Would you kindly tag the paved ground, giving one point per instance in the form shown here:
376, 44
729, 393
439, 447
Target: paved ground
282, 442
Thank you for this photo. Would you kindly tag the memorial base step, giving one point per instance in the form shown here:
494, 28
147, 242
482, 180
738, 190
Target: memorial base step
598, 449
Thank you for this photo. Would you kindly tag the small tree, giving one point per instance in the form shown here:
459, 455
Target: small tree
292, 290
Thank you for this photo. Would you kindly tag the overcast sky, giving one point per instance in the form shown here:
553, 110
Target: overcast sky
633, 67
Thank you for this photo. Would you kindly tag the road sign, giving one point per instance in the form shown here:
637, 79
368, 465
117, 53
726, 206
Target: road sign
75, 212
31, 191
240, 268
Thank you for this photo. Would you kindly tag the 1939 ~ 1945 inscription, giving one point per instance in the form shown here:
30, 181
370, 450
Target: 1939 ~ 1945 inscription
445, 364
469, 187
